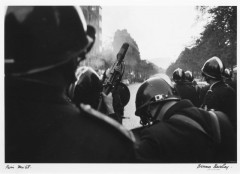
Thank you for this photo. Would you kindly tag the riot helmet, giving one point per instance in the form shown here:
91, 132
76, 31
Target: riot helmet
39, 38
227, 73
178, 75
87, 88
157, 89
123, 92
213, 68
188, 76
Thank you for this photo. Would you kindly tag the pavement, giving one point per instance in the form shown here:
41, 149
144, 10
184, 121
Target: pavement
131, 121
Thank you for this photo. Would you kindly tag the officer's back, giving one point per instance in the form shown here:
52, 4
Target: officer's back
175, 131
42, 51
220, 96
44, 128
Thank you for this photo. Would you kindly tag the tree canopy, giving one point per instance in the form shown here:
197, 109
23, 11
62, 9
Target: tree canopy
219, 38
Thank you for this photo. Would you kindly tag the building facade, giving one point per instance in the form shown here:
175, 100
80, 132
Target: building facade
93, 16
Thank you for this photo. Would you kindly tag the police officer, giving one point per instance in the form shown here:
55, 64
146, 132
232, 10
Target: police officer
227, 78
43, 47
176, 131
185, 89
88, 88
220, 96
201, 88
189, 77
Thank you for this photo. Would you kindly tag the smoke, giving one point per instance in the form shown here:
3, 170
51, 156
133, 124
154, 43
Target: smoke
109, 55
98, 62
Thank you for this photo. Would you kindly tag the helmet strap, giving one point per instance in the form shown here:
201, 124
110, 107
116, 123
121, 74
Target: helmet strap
146, 117
153, 110
164, 109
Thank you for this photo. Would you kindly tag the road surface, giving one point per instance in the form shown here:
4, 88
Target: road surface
131, 121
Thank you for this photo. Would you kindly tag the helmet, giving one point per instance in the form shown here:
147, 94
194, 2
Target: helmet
189, 76
227, 73
178, 75
87, 88
213, 68
156, 89
38, 38
123, 92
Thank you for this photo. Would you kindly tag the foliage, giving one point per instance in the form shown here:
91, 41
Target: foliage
219, 38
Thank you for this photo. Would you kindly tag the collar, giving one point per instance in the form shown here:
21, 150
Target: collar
215, 84
177, 107
164, 109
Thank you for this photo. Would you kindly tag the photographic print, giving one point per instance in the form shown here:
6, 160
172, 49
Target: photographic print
94, 85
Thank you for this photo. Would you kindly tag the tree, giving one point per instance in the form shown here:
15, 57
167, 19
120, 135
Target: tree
219, 38
220, 35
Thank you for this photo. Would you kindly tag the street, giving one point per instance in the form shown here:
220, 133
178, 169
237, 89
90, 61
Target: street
131, 121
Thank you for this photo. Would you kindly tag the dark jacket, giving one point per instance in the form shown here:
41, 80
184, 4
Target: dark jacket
221, 97
232, 83
42, 127
176, 141
202, 90
186, 90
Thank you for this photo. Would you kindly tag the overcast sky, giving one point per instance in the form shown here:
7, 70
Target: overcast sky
161, 32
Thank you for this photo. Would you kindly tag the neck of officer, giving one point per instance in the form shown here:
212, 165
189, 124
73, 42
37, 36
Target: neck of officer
50, 78
161, 111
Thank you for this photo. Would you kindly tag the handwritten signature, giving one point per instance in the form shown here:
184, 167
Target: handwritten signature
18, 166
213, 166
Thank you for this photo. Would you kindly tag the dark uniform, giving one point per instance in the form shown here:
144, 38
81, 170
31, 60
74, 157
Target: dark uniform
175, 131
186, 90
231, 83
87, 90
202, 91
121, 96
176, 141
42, 127
222, 97
227, 78
43, 47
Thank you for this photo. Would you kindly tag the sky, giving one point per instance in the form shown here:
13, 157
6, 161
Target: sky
161, 32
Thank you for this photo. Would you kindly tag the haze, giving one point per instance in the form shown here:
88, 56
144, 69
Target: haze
161, 32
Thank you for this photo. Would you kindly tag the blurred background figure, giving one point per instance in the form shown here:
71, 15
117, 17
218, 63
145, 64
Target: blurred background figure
228, 78
227, 75
185, 88
189, 77
87, 87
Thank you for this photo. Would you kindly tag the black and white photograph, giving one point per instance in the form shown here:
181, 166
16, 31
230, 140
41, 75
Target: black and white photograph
123, 87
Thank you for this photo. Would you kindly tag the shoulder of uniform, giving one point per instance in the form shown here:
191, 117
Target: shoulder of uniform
220, 115
223, 87
104, 118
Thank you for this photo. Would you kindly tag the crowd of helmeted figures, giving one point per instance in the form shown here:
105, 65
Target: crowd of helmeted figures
51, 103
